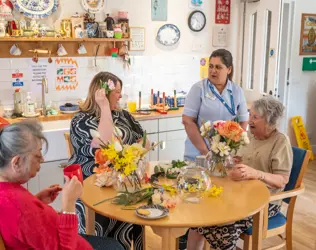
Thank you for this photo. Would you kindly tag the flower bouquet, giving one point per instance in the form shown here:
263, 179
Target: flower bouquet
225, 138
120, 164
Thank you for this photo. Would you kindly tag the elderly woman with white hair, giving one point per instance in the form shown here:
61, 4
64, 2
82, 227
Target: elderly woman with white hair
27, 221
268, 158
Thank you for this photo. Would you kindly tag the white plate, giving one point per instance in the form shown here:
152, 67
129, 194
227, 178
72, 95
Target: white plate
156, 212
31, 116
70, 112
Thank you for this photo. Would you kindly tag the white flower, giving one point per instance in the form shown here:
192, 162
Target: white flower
181, 181
117, 132
156, 197
216, 138
223, 149
206, 127
118, 146
245, 138
214, 147
94, 133
104, 180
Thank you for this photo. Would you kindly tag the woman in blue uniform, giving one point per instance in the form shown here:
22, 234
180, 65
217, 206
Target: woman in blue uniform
213, 98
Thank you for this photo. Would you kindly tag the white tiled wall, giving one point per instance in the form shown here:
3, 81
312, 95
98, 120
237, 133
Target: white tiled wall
163, 73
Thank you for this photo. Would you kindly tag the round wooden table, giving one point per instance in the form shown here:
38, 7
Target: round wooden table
238, 200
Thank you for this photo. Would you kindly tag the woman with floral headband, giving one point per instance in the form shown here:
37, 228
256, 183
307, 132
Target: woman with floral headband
100, 112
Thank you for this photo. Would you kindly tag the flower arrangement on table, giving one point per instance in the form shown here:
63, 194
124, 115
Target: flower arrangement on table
225, 139
118, 162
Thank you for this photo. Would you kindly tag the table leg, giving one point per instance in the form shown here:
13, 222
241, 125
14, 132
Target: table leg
169, 236
257, 230
90, 221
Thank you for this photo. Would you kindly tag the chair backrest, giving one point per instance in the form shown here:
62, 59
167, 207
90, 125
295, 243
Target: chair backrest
70, 149
300, 163
2, 247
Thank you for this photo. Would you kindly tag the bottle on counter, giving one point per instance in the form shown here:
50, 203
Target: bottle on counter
18, 107
29, 105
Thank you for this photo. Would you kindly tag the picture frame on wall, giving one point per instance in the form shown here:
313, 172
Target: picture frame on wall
308, 34
159, 10
137, 35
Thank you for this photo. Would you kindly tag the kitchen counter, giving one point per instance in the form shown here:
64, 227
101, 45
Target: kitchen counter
151, 116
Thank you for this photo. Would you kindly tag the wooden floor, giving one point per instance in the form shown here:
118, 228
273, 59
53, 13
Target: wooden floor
304, 227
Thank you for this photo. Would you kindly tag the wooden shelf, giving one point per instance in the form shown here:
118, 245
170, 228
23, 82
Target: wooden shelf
53, 39
51, 43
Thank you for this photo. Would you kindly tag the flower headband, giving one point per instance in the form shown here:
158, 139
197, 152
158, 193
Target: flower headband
108, 86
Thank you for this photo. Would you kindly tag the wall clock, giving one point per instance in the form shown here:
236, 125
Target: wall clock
36, 8
93, 6
197, 21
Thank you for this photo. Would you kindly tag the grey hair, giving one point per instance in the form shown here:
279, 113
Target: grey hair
19, 139
269, 108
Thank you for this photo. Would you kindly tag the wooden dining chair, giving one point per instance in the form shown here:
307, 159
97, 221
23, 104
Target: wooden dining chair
280, 224
70, 149
2, 247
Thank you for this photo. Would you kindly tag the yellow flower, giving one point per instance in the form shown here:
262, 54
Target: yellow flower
215, 191
170, 189
110, 152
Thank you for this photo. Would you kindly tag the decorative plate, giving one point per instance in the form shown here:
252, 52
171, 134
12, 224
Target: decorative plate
69, 112
36, 8
31, 115
156, 212
168, 35
93, 6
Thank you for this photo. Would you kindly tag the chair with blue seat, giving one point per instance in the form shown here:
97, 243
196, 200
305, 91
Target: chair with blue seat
280, 224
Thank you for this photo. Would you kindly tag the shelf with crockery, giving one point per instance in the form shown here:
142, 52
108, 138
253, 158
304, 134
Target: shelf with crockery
93, 46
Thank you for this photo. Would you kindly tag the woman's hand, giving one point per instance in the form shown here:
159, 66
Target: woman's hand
101, 99
243, 172
71, 192
48, 195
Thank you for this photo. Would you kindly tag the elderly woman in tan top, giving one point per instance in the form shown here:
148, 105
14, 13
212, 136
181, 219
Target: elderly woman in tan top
268, 157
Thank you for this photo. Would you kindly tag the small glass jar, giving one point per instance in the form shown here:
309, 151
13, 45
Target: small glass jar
192, 183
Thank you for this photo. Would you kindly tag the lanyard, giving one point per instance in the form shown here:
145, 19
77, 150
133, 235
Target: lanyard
230, 109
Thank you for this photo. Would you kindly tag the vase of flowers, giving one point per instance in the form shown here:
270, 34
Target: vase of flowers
118, 164
225, 138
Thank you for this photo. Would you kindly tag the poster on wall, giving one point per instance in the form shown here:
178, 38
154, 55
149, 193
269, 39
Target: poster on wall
308, 35
220, 36
137, 35
204, 62
39, 70
159, 10
222, 11
66, 74
17, 78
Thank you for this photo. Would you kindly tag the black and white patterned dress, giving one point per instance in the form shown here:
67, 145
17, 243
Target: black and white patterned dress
81, 139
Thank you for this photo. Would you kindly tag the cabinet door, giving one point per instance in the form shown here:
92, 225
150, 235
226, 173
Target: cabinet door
172, 147
153, 154
50, 174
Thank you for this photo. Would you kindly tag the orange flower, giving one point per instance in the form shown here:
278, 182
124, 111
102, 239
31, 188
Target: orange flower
100, 158
101, 169
230, 130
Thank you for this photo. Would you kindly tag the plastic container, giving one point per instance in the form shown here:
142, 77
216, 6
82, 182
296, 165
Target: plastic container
29, 105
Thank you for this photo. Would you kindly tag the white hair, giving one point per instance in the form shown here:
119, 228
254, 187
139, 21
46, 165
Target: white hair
269, 108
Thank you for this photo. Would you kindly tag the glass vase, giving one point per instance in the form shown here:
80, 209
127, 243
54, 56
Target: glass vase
218, 165
192, 182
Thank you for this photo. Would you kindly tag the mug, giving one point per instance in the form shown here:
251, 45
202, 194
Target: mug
61, 50
15, 50
74, 170
82, 49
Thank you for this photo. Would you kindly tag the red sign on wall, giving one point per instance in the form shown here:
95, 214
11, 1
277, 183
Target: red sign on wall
222, 11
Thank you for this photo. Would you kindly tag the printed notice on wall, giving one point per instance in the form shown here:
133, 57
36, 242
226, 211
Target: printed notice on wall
220, 36
17, 78
66, 74
39, 70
